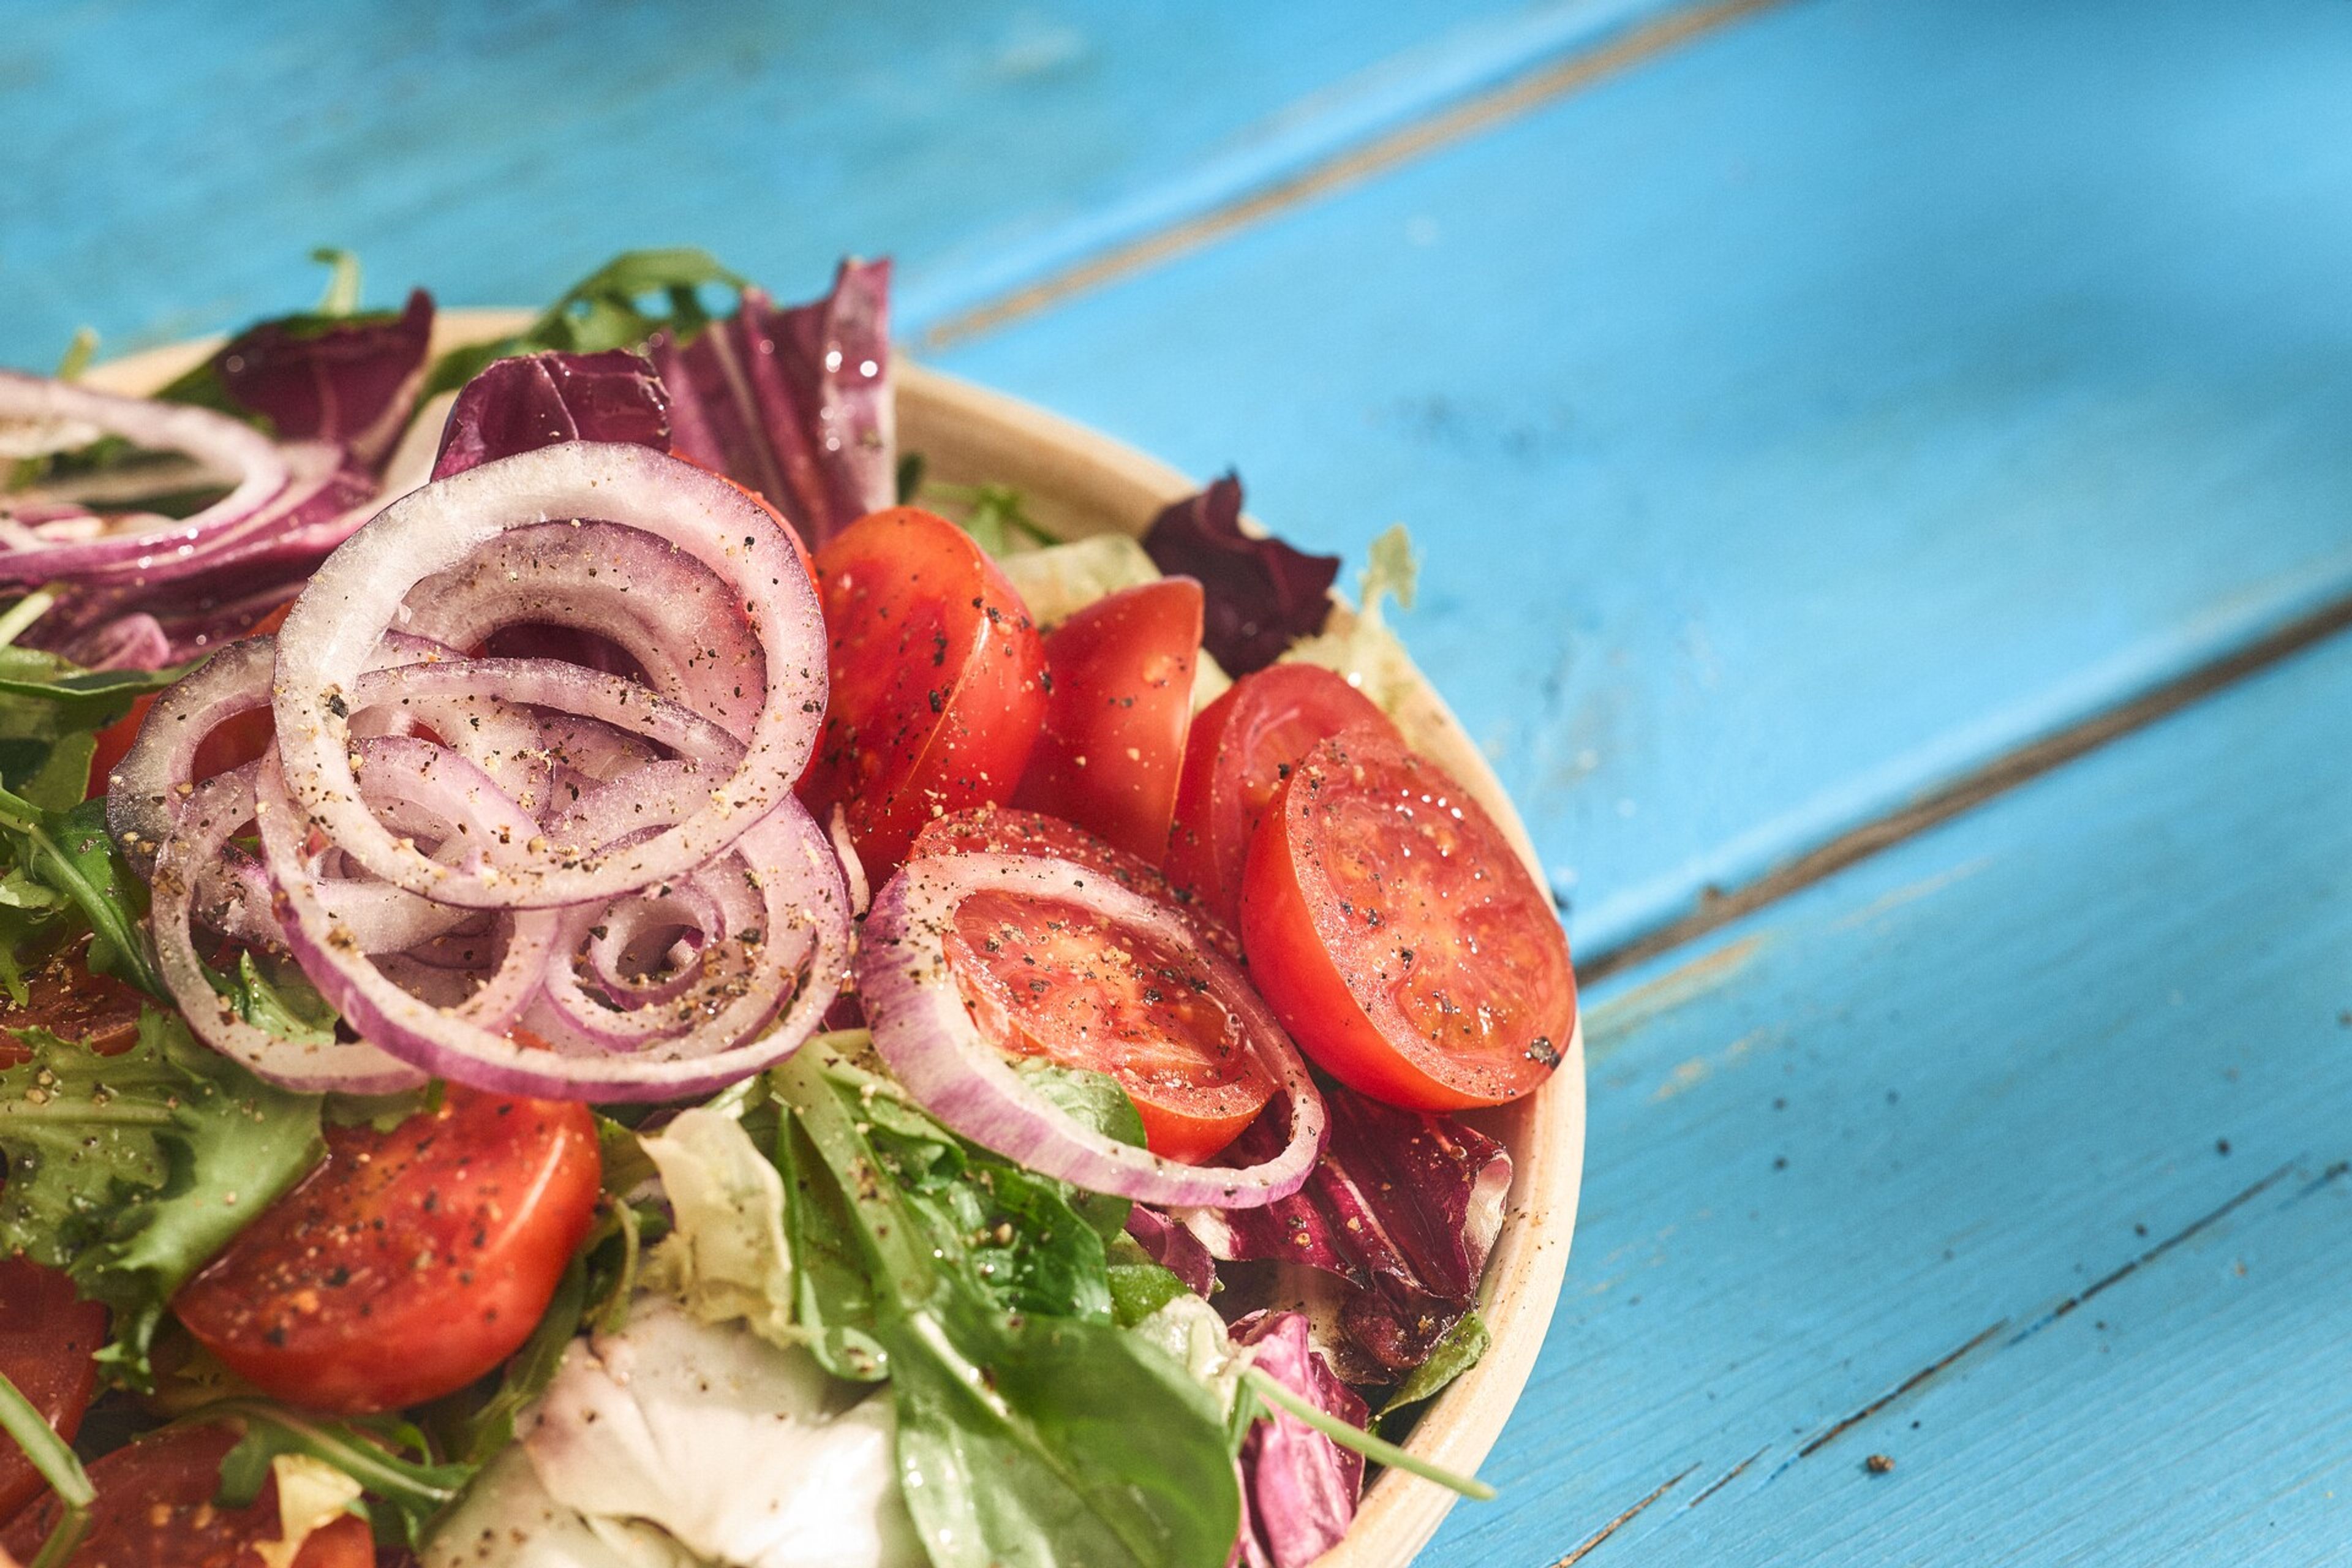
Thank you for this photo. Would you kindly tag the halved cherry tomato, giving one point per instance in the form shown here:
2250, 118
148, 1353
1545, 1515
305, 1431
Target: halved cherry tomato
1005, 830
1121, 674
1047, 979
411, 1262
1242, 746
936, 669
65, 998
234, 742
1398, 936
155, 1510
47, 1336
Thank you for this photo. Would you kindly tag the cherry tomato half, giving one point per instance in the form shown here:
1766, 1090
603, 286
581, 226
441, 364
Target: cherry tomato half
155, 1510
411, 1262
1398, 936
1242, 746
1121, 671
65, 998
1045, 978
935, 689
47, 1336
233, 743
1005, 830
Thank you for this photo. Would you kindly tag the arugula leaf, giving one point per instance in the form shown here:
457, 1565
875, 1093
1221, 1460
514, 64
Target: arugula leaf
278, 998
132, 1171
1455, 1354
64, 876
412, 1491
605, 310
1024, 1439
487, 1430
994, 516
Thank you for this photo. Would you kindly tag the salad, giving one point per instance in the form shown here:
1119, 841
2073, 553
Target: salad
598, 974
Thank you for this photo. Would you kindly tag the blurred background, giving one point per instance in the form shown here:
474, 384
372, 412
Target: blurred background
1826, 425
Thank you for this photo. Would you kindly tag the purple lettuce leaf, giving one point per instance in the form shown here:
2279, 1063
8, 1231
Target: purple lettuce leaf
794, 402
1262, 594
351, 382
1173, 1248
1404, 1206
1300, 1488
538, 400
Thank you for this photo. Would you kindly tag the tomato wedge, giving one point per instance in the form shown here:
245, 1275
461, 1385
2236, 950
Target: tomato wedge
65, 998
47, 1336
1005, 830
937, 688
236, 741
1045, 978
1398, 936
1242, 745
155, 1510
411, 1262
1121, 671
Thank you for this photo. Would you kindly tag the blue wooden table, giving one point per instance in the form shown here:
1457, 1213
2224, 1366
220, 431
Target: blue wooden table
1885, 468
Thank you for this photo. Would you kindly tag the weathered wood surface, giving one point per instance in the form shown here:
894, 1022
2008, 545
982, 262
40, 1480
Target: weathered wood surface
1803, 416
2038, 1124
165, 168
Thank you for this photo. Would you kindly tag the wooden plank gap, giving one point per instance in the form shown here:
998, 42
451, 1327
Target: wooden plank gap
2134, 1266
1973, 789
1727, 1476
1931, 1370
1622, 1520
1478, 113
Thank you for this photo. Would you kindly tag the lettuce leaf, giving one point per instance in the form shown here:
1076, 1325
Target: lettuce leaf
132, 1171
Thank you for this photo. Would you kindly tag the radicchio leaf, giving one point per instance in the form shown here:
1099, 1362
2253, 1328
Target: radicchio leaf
794, 402
1404, 1206
1299, 1487
530, 401
1173, 1248
352, 381
1263, 594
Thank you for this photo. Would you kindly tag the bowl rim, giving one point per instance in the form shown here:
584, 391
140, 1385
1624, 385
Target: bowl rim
1076, 479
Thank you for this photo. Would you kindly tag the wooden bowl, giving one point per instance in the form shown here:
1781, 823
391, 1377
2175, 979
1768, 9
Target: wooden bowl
1077, 482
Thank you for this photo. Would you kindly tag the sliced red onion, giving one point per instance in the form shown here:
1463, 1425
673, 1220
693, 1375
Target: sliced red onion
358, 593
215, 440
660, 606
924, 1029
802, 949
213, 812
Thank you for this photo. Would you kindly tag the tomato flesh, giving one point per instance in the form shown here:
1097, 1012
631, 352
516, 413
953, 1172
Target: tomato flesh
47, 1336
154, 1509
1121, 671
233, 742
1398, 936
936, 670
65, 998
1045, 978
1242, 746
1007, 830
411, 1262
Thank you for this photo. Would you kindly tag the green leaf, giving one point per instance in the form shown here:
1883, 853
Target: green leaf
1455, 1354
412, 1491
132, 1172
530, 1370
612, 308
342, 295
279, 999
1273, 1392
995, 516
45, 698
1390, 568
1025, 1439
1139, 1285
909, 477
69, 854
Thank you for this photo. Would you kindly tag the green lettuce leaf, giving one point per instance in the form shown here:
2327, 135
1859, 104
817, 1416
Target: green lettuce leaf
132, 1171
60, 874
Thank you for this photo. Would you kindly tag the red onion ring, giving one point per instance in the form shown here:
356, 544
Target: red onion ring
329, 637
212, 814
216, 441
800, 889
923, 1029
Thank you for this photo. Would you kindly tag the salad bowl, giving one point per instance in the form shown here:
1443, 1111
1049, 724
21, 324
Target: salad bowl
1076, 481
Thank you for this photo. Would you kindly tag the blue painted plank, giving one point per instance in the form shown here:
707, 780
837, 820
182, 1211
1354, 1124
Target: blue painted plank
1805, 416
2064, 1087
165, 168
